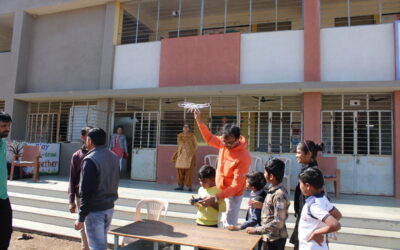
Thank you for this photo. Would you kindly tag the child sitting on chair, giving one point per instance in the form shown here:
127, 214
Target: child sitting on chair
207, 216
256, 183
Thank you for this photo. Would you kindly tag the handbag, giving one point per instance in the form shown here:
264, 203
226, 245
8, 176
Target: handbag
126, 156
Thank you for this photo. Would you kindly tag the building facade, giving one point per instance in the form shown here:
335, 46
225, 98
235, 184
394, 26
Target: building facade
284, 70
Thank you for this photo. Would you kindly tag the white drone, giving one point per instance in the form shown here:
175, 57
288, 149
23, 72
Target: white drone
192, 107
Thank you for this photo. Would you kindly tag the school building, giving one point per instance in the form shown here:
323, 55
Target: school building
284, 70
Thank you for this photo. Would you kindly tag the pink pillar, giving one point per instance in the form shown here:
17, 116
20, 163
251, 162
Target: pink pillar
396, 143
312, 54
312, 116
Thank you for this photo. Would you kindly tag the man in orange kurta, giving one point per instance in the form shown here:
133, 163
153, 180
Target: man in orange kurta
233, 163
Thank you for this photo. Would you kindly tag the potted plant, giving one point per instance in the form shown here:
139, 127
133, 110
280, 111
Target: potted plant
15, 147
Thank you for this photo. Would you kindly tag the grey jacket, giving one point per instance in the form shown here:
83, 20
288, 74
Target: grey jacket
99, 181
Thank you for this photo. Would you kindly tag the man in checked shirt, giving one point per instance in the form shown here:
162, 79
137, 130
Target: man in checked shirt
74, 178
274, 210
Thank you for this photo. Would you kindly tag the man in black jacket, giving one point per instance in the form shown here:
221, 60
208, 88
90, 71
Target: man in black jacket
98, 189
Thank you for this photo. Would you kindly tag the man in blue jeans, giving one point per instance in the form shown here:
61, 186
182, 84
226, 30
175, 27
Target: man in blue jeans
5, 207
98, 189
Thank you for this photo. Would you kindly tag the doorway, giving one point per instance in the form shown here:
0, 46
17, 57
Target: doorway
125, 120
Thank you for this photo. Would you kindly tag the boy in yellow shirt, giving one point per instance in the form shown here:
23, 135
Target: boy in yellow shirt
208, 216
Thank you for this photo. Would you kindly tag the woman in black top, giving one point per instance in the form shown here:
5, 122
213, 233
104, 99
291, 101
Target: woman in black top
306, 154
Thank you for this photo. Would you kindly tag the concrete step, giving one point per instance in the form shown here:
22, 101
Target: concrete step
42, 198
363, 225
347, 235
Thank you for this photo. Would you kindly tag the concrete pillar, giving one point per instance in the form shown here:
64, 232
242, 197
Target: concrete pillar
312, 53
20, 50
312, 116
19, 113
396, 143
107, 57
104, 115
19, 63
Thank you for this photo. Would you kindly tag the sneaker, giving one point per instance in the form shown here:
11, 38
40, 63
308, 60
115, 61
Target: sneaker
178, 189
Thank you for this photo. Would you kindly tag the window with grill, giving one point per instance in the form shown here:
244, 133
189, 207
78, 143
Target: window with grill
354, 20
153, 20
276, 126
270, 124
272, 132
59, 121
340, 13
2, 105
361, 124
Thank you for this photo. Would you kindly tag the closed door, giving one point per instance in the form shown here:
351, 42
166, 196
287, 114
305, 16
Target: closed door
144, 144
362, 143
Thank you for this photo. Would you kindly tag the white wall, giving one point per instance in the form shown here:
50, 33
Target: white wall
272, 57
137, 66
359, 53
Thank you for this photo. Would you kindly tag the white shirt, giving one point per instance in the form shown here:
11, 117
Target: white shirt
314, 213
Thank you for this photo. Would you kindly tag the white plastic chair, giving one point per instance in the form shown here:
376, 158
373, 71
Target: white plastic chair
288, 167
255, 161
154, 207
211, 160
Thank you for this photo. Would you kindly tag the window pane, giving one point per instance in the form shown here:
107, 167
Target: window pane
297, 131
276, 132
373, 127
190, 18
326, 131
238, 16
331, 10
171, 126
263, 145
348, 133
390, 11
338, 133
362, 133
248, 128
386, 133
214, 11
169, 15
286, 131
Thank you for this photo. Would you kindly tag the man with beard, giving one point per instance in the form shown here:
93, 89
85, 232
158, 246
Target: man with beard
5, 206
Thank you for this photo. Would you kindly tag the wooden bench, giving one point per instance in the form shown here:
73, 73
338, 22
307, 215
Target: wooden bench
328, 166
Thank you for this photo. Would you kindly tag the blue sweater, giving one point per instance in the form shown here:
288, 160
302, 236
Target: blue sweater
253, 216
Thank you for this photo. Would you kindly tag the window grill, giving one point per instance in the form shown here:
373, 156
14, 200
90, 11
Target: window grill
144, 21
275, 123
357, 124
59, 121
354, 12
